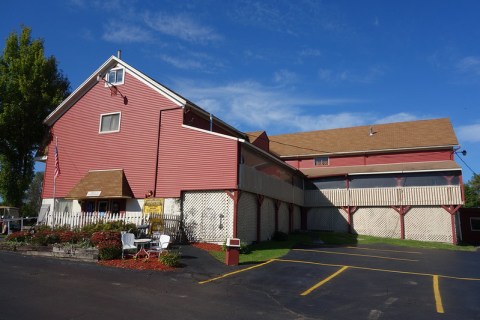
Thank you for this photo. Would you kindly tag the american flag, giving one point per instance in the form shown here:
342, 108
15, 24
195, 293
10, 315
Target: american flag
57, 163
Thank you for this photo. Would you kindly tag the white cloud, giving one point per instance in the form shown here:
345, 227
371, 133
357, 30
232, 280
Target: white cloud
469, 64
397, 117
367, 77
250, 106
469, 133
181, 26
124, 33
284, 77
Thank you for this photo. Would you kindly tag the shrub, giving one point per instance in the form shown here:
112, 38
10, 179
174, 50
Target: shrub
103, 236
109, 250
19, 236
170, 258
45, 237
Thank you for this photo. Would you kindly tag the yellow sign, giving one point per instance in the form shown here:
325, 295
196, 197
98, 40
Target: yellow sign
153, 205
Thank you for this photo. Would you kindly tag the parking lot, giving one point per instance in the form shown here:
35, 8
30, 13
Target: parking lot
375, 282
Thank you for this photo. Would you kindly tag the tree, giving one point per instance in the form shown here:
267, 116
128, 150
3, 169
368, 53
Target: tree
33, 197
30, 87
472, 192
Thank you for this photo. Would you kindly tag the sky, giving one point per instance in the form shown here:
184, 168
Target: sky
279, 65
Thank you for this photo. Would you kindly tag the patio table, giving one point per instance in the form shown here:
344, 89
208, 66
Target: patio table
142, 250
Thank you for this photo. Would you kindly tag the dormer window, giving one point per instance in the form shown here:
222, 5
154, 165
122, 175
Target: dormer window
116, 76
321, 161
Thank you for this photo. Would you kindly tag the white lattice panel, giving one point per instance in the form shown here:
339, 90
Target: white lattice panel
297, 218
327, 218
208, 216
377, 221
283, 217
267, 219
428, 224
247, 217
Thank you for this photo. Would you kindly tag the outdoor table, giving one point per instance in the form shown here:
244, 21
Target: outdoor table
142, 250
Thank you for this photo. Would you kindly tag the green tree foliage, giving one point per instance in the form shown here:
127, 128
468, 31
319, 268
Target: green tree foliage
33, 197
31, 85
472, 192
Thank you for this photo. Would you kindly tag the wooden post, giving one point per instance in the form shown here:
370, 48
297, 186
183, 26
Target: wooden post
453, 211
402, 210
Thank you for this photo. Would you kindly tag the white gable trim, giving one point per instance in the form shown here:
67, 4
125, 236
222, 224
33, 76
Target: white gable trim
93, 80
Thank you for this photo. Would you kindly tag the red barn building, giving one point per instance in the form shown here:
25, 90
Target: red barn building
122, 136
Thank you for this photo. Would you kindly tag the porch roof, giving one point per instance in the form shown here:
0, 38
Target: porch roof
382, 168
100, 184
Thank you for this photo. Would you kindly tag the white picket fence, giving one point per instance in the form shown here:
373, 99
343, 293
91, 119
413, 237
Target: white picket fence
77, 220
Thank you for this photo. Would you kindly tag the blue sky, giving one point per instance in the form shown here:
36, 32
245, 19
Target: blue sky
281, 66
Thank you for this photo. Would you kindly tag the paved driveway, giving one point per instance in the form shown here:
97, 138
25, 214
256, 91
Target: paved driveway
369, 282
373, 282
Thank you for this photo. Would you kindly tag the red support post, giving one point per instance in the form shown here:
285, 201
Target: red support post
402, 210
260, 199
350, 211
235, 195
277, 204
453, 211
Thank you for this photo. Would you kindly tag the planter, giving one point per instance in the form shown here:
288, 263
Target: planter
72, 252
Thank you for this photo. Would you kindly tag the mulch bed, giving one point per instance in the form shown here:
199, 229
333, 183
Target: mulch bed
137, 264
207, 246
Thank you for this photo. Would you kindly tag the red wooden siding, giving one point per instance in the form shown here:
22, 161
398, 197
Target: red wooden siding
193, 160
383, 158
81, 148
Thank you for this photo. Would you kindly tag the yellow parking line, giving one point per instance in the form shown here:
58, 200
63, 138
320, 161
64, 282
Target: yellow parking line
235, 272
384, 250
375, 269
324, 281
356, 254
436, 293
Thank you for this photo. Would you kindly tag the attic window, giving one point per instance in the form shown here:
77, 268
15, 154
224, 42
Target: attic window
321, 161
116, 76
110, 122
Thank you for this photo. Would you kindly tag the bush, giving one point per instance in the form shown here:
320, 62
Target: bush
19, 236
279, 236
109, 250
104, 236
45, 237
170, 258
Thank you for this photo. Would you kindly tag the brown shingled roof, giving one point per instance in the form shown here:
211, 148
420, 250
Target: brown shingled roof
102, 184
391, 136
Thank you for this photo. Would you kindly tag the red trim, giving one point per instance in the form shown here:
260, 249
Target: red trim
452, 210
235, 196
402, 210
350, 211
260, 199
277, 204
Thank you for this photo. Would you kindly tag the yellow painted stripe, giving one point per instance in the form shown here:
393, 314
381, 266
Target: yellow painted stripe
356, 255
436, 293
235, 272
324, 281
384, 250
375, 269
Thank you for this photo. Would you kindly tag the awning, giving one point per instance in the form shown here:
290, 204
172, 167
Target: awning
102, 184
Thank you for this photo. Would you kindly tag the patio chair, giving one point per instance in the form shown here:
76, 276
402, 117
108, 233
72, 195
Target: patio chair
128, 242
160, 245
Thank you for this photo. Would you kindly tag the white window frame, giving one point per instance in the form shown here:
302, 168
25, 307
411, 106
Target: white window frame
471, 223
109, 114
321, 161
115, 82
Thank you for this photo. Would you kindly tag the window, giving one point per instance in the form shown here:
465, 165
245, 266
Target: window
321, 161
115, 76
110, 122
475, 224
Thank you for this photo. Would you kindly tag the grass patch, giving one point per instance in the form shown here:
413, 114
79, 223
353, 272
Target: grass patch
267, 250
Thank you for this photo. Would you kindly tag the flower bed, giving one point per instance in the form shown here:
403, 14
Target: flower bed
207, 246
137, 264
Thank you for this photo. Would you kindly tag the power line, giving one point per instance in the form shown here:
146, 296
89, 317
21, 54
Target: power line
466, 164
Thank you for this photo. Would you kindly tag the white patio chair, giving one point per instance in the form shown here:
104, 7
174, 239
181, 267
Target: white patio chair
160, 245
128, 242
